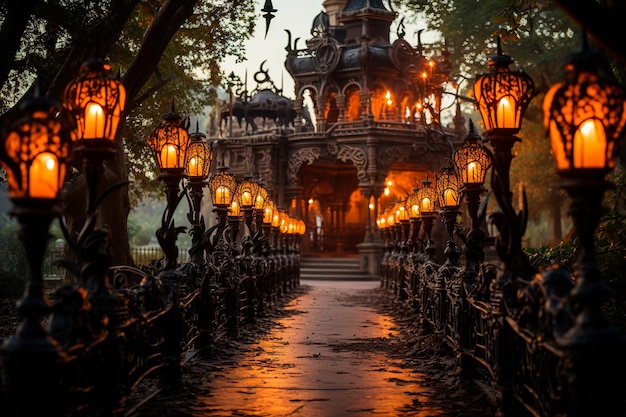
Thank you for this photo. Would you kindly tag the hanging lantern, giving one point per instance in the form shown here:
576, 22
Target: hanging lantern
96, 100
35, 150
169, 142
472, 160
427, 196
585, 116
222, 186
198, 157
448, 188
502, 95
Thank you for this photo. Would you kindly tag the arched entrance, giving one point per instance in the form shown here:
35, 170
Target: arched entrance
334, 208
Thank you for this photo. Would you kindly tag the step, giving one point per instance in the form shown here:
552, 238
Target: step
338, 269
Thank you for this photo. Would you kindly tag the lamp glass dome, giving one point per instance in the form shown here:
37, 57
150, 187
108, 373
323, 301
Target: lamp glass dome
169, 141
198, 157
96, 100
448, 188
36, 146
472, 160
223, 186
502, 96
427, 196
585, 117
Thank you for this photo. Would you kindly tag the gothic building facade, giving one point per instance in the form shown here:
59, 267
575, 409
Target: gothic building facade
364, 129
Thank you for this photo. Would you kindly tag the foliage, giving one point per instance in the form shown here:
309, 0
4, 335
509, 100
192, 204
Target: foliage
186, 77
14, 268
610, 247
539, 36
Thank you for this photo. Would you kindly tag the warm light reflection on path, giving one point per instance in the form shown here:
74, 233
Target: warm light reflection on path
329, 355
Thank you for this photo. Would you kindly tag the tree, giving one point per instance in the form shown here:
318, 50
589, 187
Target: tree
168, 48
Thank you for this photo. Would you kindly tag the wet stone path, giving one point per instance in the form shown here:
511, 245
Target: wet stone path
332, 350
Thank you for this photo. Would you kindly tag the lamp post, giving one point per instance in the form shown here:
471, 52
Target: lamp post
449, 201
246, 194
259, 207
472, 161
502, 96
223, 186
427, 196
34, 152
197, 165
96, 101
168, 142
412, 206
585, 116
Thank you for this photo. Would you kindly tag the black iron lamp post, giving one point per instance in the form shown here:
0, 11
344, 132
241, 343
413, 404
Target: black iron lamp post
197, 166
96, 101
449, 202
585, 116
259, 207
34, 153
472, 161
223, 186
427, 196
246, 193
502, 97
234, 220
403, 218
169, 142
412, 205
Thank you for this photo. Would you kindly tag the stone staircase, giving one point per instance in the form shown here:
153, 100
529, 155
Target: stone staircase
332, 269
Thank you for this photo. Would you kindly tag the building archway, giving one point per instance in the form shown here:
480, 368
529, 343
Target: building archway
334, 208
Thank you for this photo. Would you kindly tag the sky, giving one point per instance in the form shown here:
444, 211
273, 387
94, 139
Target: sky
296, 16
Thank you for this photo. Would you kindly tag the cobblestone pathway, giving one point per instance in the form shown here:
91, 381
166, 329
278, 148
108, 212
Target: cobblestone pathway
331, 351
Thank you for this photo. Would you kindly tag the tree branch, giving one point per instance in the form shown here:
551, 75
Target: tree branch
602, 24
170, 17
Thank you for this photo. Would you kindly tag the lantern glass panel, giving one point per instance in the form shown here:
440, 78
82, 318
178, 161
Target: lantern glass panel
585, 120
96, 99
198, 157
412, 205
35, 150
472, 162
223, 186
169, 142
448, 189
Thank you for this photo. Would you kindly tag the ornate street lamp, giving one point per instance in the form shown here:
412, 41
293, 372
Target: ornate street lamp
198, 161
96, 100
449, 201
472, 161
259, 206
502, 96
246, 195
34, 152
427, 196
223, 186
168, 142
585, 116
412, 205
402, 216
